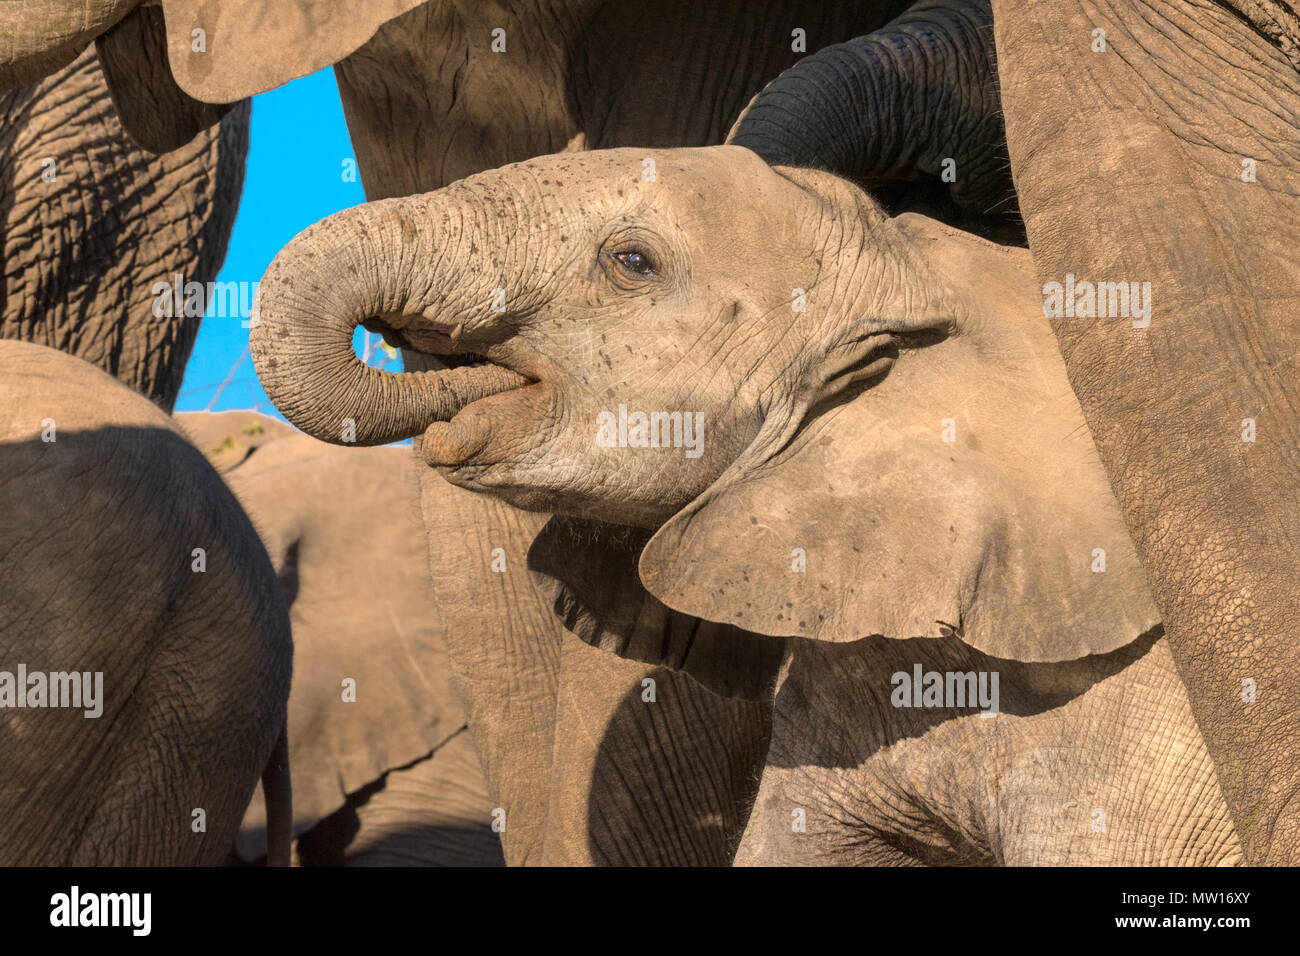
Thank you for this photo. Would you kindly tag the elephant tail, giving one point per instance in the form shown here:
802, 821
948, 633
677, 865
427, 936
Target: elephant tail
278, 791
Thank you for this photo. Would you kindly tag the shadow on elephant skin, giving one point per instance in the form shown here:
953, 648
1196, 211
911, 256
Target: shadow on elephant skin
862, 672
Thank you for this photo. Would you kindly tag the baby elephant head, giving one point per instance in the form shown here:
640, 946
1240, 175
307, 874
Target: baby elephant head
837, 423
612, 329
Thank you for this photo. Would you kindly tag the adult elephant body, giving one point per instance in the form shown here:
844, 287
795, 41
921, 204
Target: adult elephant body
384, 768
1154, 151
93, 226
123, 554
859, 502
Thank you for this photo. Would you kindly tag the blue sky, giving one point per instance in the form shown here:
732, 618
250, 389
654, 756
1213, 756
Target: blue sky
298, 145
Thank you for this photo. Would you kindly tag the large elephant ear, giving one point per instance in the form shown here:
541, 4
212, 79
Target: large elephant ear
960, 495
154, 111
40, 37
372, 684
225, 50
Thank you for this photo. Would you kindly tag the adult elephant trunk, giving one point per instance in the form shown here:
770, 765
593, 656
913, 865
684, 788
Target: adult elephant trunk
917, 97
379, 259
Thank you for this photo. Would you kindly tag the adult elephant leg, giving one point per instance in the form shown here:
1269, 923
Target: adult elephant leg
1169, 155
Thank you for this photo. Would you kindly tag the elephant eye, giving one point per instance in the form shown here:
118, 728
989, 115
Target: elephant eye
638, 263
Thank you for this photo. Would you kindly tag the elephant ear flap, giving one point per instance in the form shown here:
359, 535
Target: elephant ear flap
222, 52
873, 528
156, 113
589, 570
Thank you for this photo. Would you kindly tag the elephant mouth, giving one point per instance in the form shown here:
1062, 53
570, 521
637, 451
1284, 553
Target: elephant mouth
477, 376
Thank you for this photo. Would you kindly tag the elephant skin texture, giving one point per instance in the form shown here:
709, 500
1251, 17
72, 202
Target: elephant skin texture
429, 101
1169, 128
122, 553
1201, 198
384, 767
93, 224
889, 475
447, 89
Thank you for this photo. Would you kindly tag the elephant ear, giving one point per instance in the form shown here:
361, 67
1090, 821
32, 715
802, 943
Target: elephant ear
40, 37
153, 110
589, 570
226, 50
372, 687
957, 495
871, 523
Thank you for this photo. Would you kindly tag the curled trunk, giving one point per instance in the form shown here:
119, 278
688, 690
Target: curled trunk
378, 259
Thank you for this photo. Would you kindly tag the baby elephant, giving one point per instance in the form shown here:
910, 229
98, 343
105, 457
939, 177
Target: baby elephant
804, 452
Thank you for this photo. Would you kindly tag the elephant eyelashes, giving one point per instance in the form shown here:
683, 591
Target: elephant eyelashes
637, 263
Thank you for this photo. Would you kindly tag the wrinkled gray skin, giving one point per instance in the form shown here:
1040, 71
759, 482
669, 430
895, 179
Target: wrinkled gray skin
1146, 140
428, 100
96, 555
828, 536
390, 778
83, 250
